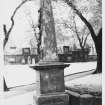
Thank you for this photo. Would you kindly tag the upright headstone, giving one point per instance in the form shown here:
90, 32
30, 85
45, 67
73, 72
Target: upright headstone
66, 49
50, 88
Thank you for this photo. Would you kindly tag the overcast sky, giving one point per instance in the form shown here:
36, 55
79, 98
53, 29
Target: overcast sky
22, 33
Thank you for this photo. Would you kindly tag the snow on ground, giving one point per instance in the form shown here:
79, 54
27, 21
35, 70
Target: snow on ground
22, 99
79, 67
90, 83
16, 75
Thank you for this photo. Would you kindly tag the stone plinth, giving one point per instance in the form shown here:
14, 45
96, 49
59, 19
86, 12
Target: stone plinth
50, 77
55, 99
50, 89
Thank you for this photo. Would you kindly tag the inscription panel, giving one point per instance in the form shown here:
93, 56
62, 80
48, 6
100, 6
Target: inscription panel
52, 81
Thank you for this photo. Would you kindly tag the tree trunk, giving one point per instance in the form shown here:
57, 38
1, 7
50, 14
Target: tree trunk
83, 54
98, 44
99, 61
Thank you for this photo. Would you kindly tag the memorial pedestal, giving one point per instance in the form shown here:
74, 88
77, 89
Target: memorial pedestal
50, 89
52, 99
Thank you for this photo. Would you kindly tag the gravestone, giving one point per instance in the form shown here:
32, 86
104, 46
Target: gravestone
26, 53
66, 49
50, 88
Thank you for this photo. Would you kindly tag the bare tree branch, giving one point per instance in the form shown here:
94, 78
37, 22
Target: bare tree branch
7, 32
12, 17
5, 29
82, 39
83, 19
68, 26
33, 26
85, 39
77, 34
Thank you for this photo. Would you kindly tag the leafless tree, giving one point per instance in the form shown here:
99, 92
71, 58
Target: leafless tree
81, 36
97, 38
34, 28
7, 32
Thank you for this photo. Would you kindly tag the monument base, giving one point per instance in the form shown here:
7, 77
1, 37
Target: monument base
49, 77
50, 88
51, 99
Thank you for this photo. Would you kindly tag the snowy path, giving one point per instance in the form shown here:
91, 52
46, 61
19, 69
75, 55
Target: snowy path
79, 67
21, 99
16, 75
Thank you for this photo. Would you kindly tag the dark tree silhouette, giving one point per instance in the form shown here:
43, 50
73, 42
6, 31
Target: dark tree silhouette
96, 38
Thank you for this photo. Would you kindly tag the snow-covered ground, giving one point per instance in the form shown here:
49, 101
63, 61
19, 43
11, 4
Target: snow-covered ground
21, 99
16, 75
79, 67
90, 83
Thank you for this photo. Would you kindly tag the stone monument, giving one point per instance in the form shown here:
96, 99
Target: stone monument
50, 88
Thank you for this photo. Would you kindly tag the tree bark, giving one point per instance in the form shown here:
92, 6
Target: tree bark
99, 52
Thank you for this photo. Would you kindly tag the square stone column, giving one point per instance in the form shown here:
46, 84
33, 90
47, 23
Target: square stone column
50, 88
